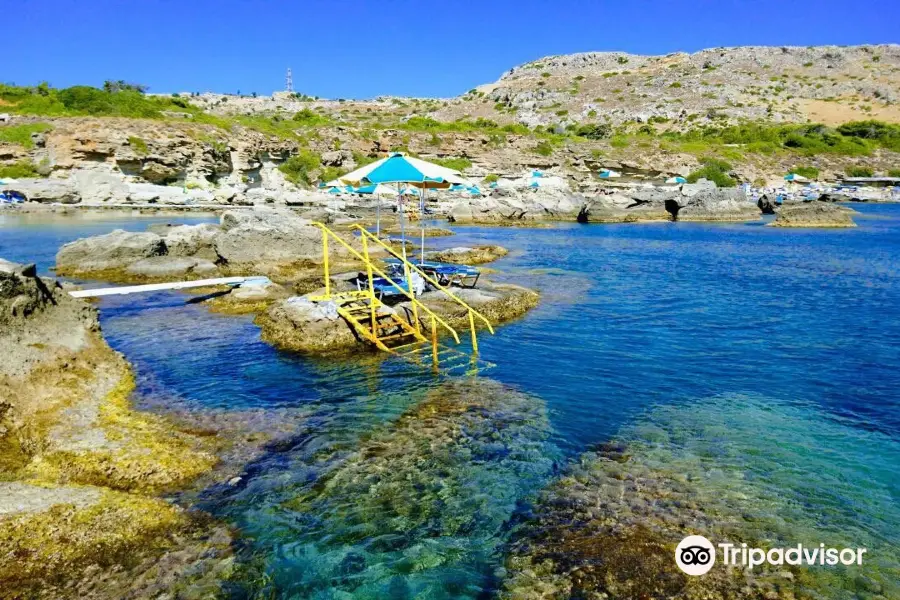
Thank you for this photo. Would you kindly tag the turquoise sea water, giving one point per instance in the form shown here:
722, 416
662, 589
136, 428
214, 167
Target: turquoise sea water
766, 356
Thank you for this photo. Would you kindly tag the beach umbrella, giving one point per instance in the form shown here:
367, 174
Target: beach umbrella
457, 187
676, 180
493, 185
402, 170
608, 174
536, 173
534, 184
376, 189
794, 178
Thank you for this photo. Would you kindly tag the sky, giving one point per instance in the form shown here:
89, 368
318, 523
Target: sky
357, 49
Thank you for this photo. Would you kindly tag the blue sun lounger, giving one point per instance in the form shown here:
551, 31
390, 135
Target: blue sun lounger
446, 274
384, 289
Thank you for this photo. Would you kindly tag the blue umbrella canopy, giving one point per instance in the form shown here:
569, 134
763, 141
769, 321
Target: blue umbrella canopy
795, 177
676, 180
536, 173
399, 168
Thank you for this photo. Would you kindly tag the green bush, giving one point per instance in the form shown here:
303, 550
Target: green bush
893, 173
859, 172
457, 164
310, 118
593, 131
808, 172
139, 145
329, 173
491, 178
19, 170
714, 170
544, 148
21, 134
298, 169
361, 159
619, 141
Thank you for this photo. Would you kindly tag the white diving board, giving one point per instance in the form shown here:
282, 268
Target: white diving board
174, 285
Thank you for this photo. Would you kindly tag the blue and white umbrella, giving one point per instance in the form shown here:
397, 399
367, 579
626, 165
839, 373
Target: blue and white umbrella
409, 173
676, 180
376, 190
536, 173
608, 174
793, 177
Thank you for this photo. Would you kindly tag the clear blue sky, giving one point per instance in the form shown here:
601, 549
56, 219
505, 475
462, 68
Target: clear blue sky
357, 49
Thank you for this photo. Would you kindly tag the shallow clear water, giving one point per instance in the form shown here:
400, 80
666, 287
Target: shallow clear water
636, 321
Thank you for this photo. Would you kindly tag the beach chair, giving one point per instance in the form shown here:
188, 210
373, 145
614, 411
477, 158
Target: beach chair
385, 290
446, 274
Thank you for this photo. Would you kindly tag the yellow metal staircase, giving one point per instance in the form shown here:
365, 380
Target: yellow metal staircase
389, 331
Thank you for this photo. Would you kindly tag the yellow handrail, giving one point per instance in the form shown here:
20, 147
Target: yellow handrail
427, 277
369, 265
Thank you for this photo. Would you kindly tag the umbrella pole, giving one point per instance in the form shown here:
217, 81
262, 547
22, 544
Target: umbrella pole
402, 227
422, 223
378, 216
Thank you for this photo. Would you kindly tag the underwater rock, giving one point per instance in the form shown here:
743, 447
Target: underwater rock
734, 469
469, 256
424, 498
814, 214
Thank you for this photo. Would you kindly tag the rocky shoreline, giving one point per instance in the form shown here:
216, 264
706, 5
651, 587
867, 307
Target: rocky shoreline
81, 471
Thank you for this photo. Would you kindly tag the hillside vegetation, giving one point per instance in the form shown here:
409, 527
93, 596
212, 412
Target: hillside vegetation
753, 109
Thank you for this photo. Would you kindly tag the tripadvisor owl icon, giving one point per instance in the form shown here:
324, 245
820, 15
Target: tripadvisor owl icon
695, 555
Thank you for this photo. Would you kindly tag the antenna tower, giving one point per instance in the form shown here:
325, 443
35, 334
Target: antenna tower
289, 81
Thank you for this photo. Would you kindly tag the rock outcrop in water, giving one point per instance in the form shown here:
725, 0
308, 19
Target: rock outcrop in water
301, 325
512, 207
274, 242
691, 202
814, 214
464, 255
79, 467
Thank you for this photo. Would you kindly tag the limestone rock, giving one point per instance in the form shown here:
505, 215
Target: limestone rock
45, 190
192, 240
299, 324
114, 250
277, 235
814, 214
160, 267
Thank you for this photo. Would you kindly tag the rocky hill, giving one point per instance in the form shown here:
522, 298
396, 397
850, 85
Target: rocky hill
758, 112
827, 84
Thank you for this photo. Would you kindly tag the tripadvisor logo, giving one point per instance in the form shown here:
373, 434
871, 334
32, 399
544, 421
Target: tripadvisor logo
696, 555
